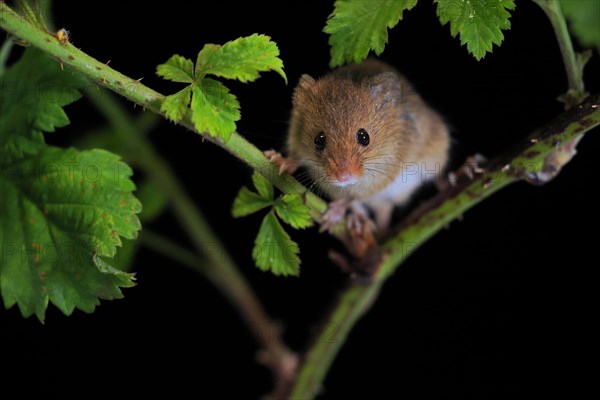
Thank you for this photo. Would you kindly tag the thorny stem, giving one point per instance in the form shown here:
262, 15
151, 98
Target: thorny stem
536, 161
133, 90
573, 65
220, 269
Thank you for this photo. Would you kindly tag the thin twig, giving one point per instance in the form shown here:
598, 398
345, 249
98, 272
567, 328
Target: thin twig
573, 66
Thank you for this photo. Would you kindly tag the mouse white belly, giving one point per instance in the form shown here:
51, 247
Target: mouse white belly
398, 192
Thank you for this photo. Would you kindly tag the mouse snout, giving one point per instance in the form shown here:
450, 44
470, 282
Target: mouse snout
346, 172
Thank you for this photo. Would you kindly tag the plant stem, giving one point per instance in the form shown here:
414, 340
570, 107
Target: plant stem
350, 306
220, 269
573, 66
172, 250
133, 90
534, 161
4, 53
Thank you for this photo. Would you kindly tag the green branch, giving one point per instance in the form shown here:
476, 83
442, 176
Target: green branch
573, 64
536, 160
133, 90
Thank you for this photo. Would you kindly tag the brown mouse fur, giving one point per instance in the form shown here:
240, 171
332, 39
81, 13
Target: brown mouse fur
406, 137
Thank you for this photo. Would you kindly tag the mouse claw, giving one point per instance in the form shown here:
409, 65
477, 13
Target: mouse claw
472, 167
284, 164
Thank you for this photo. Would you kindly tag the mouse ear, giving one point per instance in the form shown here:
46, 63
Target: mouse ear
306, 82
388, 89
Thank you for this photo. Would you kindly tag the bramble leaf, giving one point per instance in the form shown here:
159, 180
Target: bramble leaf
177, 69
274, 250
359, 26
263, 186
584, 20
248, 202
61, 210
176, 105
214, 109
33, 93
242, 59
293, 211
479, 22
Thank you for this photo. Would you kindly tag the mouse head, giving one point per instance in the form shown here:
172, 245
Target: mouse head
348, 131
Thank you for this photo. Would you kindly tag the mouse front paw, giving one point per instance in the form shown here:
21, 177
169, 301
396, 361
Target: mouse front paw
285, 164
336, 212
473, 166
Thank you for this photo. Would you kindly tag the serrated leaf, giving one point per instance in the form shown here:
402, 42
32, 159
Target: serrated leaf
359, 26
242, 59
214, 109
33, 93
274, 250
123, 260
292, 210
32, 12
177, 69
176, 105
584, 20
248, 202
478, 22
59, 209
263, 186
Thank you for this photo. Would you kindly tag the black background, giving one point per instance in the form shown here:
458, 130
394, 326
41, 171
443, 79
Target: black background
489, 308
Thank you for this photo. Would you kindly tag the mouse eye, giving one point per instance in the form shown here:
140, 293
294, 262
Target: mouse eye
320, 141
362, 137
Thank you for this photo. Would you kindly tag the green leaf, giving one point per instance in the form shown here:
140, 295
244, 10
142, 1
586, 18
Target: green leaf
264, 187
177, 69
248, 202
242, 59
479, 22
33, 93
33, 12
123, 260
584, 20
274, 250
176, 105
358, 26
292, 210
214, 109
60, 210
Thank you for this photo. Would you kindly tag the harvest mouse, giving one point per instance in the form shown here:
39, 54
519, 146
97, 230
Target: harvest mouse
366, 138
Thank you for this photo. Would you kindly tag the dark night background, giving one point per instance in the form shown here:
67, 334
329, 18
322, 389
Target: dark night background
487, 309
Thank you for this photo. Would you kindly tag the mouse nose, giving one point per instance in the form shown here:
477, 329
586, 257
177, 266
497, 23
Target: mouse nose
346, 177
